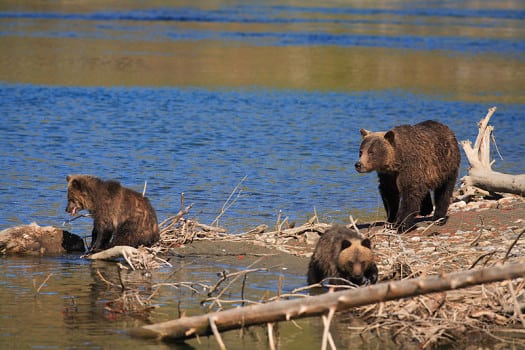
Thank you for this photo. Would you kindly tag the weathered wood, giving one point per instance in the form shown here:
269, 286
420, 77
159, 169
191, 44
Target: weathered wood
39, 240
284, 310
494, 181
113, 252
480, 174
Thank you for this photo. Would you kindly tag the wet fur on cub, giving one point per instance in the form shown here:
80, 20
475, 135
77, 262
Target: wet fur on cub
121, 216
342, 253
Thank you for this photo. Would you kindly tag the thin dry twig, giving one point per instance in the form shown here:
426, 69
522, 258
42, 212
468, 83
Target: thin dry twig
229, 201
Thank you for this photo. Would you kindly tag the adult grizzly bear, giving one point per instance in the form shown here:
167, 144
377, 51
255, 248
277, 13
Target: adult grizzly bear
410, 161
121, 216
341, 253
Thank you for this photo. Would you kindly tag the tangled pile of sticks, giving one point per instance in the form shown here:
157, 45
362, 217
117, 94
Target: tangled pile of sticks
492, 311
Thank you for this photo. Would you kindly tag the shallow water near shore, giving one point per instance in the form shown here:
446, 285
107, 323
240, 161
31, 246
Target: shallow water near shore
194, 98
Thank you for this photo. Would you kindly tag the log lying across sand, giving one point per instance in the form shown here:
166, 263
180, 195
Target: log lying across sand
284, 310
480, 174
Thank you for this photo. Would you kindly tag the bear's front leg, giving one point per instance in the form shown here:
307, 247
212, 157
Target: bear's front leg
390, 195
442, 196
371, 273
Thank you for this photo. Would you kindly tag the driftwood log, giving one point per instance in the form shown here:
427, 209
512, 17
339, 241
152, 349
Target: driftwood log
39, 240
325, 304
480, 174
141, 258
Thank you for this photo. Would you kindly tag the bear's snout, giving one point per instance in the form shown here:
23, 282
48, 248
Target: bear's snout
359, 166
71, 208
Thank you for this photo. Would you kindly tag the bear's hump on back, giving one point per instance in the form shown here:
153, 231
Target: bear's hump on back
112, 186
429, 131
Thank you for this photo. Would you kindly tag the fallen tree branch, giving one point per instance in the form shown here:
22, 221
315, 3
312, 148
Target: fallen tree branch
285, 310
141, 258
114, 252
480, 174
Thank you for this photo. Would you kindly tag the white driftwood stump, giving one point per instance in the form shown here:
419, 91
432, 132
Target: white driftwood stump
480, 174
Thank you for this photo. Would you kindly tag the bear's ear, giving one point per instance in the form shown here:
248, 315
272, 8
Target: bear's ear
366, 243
389, 136
364, 132
76, 184
345, 244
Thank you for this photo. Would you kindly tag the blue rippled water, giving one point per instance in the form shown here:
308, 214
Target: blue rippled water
297, 149
454, 23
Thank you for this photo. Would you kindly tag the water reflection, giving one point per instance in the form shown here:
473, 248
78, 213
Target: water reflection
413, 46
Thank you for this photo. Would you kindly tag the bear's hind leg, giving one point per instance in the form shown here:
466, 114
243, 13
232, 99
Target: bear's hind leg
426, 205
126, 235
442, 197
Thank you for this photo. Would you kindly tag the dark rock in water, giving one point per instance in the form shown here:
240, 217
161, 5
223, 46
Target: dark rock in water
38, 240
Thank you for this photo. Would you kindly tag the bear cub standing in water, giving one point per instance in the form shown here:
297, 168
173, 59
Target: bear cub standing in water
121, 216
410, 161
343, 253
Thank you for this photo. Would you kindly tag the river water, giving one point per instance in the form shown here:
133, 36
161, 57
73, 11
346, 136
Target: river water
195, 97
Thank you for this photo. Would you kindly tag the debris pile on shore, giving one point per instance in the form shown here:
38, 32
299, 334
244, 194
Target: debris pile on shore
478, 234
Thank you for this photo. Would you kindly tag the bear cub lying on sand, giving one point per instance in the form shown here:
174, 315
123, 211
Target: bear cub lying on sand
121, 216
342, 253
410, 161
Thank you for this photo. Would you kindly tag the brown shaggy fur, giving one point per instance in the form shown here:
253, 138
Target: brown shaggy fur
411, 161
121, 216
342, 253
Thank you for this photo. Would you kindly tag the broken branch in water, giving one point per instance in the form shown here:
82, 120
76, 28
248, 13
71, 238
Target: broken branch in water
41, 284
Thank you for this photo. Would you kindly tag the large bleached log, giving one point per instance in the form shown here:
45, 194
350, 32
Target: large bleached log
480, 174
284, 310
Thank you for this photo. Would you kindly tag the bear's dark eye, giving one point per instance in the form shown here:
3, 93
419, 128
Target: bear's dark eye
360, 153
